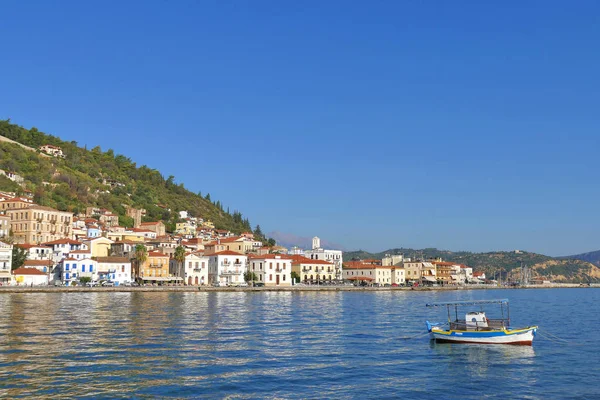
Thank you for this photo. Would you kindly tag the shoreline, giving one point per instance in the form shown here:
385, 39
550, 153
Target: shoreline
123, 289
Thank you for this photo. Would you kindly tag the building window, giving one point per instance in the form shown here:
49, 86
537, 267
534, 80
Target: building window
270, 277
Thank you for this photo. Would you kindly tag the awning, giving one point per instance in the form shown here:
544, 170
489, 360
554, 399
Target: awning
360, 278
429, 278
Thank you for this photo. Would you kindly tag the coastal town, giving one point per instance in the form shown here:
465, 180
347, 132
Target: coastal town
60, 248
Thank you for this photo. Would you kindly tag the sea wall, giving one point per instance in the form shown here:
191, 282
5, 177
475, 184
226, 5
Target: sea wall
80, 289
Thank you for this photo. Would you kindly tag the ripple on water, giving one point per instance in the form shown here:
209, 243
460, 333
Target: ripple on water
283, 345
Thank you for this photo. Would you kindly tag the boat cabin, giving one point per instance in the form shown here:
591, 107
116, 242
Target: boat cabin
476, 320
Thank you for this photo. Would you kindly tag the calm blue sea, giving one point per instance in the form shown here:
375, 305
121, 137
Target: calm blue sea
290, 345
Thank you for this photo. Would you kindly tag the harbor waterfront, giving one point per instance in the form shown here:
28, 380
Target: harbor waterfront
286, 344
310, 288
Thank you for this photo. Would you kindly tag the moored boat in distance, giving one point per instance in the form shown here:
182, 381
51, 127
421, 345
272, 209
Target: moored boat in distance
476, 327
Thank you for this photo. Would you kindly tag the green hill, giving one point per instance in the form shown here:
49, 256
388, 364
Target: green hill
501, 263
103, 179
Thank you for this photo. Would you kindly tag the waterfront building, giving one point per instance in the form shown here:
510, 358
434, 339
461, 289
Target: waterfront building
227, 268
370, 273
271, 269
398, 276
38, 224
428, 273
465, 274
413, 270
72, 270
333, 256
29, 277
195, 268
155, 269
116, 269
312, 271
444, 272
5, 263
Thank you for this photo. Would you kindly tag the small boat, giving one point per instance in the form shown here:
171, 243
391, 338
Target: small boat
476, 327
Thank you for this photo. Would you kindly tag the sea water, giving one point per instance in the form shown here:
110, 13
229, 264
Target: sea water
290, 345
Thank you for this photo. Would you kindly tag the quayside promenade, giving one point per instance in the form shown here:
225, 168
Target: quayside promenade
76, 289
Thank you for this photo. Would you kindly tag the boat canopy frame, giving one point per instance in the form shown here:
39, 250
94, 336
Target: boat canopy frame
457, 304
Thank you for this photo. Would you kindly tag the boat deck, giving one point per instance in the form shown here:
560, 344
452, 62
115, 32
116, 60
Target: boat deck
492, 325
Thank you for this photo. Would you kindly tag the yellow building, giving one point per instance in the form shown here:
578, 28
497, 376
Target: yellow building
357, 271
155, 268
312, 271
99, 247
39, 224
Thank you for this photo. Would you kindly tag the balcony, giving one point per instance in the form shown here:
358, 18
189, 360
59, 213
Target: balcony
225, 263
279, 269
231, 271
198, 269
305, 269
237, 264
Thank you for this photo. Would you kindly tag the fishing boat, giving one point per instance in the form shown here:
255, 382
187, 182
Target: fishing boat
476, 327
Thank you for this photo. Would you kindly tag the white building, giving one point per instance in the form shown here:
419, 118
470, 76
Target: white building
29, 277
272, 269
332, 256
116, 269
398, 276
37, 251
5, 263
227, 268
71, 270
195, 268
62, 247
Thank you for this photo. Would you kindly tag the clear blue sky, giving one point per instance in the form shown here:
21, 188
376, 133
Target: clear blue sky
457, 125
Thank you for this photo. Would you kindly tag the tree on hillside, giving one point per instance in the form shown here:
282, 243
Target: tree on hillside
258, 232
179, 256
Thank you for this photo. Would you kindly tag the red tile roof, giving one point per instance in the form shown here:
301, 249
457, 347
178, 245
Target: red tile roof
29, 246
27, 271
37, 263
63, 241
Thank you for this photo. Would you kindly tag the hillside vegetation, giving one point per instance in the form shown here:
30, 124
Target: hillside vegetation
503, 263
103, 179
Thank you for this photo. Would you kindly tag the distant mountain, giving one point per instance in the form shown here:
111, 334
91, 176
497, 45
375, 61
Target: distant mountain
290, 240
507, 263
591, 257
